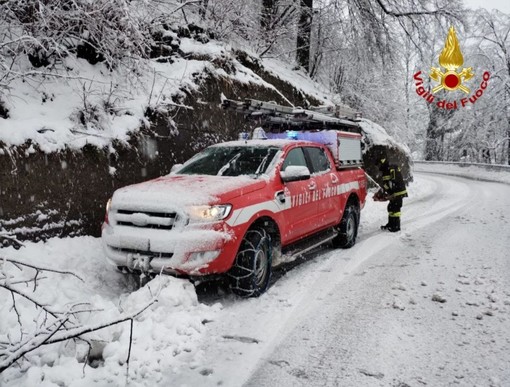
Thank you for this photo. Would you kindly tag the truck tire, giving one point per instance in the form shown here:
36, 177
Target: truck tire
251, 271
347, 228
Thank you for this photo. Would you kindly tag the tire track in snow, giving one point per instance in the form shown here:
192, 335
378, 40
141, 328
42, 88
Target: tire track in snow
243, 339
268, 319
306, 357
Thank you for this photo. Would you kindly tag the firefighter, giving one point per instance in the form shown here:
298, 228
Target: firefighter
394, 190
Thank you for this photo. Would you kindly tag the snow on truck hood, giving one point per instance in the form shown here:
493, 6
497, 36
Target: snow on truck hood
177, 191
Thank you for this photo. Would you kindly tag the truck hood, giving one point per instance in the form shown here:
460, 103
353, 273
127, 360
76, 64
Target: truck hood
178, 191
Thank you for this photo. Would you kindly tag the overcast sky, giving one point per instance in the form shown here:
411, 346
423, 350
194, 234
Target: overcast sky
502, 5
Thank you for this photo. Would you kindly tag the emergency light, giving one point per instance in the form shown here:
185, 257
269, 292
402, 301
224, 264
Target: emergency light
292, 134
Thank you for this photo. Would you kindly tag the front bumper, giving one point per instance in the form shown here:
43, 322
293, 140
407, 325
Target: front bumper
190, 251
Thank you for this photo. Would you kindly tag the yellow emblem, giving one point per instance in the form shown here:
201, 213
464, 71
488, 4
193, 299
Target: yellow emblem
451, 59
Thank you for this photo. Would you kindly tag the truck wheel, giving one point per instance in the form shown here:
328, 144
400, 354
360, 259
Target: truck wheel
347, 228
252, 267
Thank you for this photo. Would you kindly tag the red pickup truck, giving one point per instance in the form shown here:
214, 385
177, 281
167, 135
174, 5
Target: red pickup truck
239, 209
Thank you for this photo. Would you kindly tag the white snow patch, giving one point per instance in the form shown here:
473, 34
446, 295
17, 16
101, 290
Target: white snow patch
164, 337
377, 135
175, 192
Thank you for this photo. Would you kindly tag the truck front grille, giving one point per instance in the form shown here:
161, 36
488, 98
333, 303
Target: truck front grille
145, 219
154, 254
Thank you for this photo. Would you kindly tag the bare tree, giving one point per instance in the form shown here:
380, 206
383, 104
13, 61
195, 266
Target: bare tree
276, 19
495, 31
203, 8
304, 34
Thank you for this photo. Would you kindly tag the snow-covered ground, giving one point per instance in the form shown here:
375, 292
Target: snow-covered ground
427, 306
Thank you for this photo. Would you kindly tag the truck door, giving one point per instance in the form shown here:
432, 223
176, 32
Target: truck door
323, 172
302, 210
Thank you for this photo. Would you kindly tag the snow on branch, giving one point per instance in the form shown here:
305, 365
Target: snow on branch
39, 268
59, 334
185, 4
439, 11
50, 325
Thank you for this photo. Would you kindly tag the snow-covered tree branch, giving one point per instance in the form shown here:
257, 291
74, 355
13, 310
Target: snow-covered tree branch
53, 325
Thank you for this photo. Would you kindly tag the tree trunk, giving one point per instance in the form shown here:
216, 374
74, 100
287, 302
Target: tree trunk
303, 34
266, 14
438, 126
203, 8
431, 151
317, 55
431, 148
508, 144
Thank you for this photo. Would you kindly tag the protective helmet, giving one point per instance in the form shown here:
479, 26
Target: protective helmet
382, 158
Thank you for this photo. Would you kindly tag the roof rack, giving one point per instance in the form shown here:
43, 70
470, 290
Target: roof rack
277, 118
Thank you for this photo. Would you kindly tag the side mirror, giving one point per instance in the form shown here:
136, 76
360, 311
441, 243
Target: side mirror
295, 173
175, 168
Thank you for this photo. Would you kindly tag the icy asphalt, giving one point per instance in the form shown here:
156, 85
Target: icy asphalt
429, 306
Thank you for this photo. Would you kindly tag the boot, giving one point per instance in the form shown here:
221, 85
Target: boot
387, 225
394, 224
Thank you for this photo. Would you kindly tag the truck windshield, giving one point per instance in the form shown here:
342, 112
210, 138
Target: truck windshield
230, 161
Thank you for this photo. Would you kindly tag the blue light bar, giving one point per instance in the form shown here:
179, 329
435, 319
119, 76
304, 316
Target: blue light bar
292, 135
244, 136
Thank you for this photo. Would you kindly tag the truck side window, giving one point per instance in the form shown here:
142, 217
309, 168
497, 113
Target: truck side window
318, 159
296, 158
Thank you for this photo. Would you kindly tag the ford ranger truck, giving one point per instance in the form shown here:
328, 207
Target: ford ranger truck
238, 209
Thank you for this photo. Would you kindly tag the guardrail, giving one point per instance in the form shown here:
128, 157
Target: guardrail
488, 167
476, 171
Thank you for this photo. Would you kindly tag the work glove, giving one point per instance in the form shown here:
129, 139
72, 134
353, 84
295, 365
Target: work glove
380, 196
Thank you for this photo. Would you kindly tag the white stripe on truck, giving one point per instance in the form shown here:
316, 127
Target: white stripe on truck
243, 215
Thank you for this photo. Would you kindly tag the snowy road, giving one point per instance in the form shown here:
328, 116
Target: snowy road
428, 306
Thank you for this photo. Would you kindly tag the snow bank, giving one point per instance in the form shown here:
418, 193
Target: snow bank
90, 104
48, 113
164, 337
298, 79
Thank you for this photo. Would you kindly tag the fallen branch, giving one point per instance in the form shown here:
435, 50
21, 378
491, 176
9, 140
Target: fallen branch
41, 268
57, 335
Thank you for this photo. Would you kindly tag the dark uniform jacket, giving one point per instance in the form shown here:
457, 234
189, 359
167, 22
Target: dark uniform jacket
393, 182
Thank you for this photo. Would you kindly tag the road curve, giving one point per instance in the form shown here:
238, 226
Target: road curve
427, 306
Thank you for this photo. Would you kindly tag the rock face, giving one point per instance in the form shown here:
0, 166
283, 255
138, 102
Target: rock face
45, 195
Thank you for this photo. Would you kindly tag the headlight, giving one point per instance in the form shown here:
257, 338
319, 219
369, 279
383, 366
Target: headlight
209, 213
